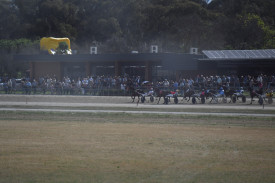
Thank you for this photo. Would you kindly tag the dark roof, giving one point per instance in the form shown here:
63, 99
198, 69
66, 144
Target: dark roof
240, 54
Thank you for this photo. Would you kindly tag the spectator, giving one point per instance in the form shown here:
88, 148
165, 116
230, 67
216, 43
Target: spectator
34, 86
175, 85
28, 86
166, 83
219, 82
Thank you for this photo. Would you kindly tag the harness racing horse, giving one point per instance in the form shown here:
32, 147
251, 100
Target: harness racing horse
150, 94
205, 94
239, 93
135, 93
228, 92
188, 93
220, 94
209, 94
269, 96
256, 93
161, 93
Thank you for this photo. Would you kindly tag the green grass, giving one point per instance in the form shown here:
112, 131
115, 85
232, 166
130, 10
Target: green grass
260, 110
140, 118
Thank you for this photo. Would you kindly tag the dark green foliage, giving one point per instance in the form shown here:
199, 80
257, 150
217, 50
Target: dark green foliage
62, 48
17, 45
125, 25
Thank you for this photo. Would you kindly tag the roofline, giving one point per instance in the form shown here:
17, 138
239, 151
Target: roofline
235, 59
240, 54
127, 57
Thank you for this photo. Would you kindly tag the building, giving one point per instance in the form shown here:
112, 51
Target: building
239, 62
147, 65
152, 66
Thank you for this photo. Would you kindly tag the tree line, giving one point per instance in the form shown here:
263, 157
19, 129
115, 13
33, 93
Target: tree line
119, 26
124, 25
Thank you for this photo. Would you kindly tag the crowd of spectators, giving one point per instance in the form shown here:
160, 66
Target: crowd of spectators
66, 86
214, 82
91, 85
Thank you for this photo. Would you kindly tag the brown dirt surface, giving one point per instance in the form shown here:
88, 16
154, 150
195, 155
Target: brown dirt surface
102, 149
121, 147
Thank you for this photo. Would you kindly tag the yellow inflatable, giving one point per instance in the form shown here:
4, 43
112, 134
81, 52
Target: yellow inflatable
50, 44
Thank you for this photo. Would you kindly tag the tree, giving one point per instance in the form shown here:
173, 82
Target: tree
124, 25
179, 25
62, 48
9, 20
10, 47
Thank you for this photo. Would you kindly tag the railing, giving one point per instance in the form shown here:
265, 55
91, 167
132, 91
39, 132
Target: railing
99, 90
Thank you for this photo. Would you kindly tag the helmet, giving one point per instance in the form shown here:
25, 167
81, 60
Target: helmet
221, 88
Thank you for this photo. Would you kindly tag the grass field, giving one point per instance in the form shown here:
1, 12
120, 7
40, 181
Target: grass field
103, 147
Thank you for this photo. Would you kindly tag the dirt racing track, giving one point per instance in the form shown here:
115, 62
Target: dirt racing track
118, 104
